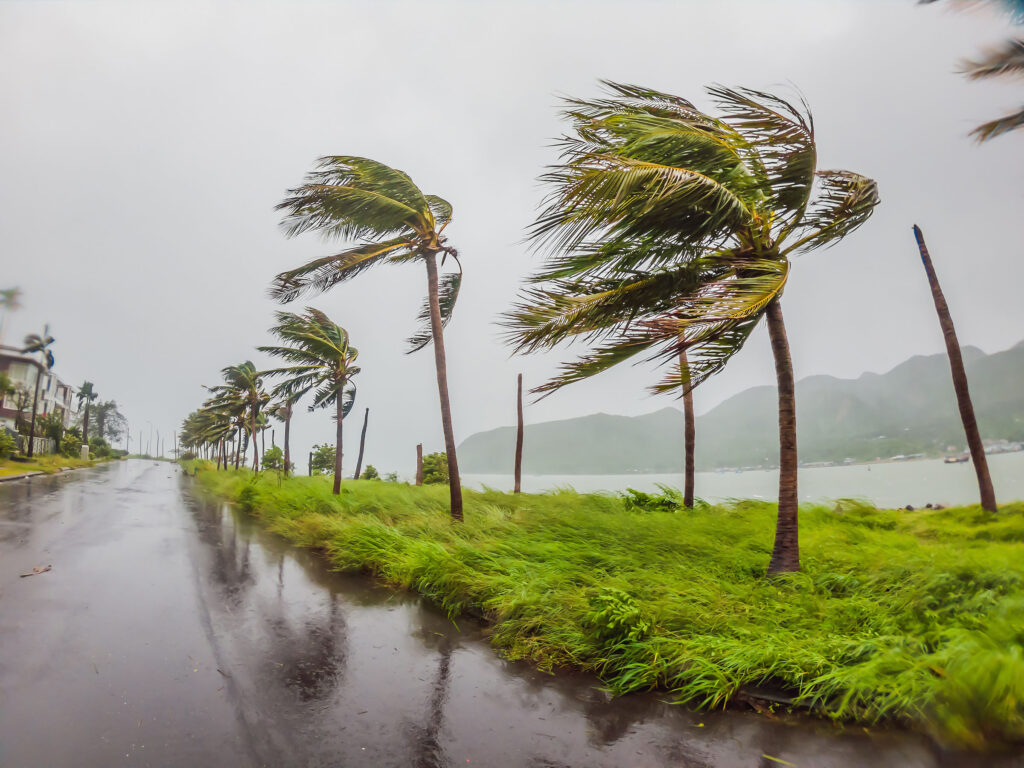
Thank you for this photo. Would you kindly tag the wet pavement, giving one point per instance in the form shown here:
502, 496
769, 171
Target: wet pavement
176, 632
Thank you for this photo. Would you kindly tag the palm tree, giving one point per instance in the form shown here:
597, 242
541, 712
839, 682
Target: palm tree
671, 230
386, 219
282, 410
38, 344
1006, 60
956, 364
87, 394
243, 397
322, 361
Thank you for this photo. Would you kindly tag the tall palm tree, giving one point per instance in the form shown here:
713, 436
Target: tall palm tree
670, 230
40, 345
1006, 60
86, 393
385, 218
322, 361
243, 397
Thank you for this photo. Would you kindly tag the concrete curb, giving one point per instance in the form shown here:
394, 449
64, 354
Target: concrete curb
11, 478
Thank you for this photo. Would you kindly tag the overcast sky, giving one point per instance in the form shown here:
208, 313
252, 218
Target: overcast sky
143, 147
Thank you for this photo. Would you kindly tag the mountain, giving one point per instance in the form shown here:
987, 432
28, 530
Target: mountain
910, 409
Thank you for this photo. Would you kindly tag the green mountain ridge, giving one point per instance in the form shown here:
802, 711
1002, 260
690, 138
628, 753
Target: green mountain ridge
908, 410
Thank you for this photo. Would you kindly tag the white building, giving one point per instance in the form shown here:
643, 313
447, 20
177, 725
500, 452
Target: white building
54, 395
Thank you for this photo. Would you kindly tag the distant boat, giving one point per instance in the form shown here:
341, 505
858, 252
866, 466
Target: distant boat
955, 459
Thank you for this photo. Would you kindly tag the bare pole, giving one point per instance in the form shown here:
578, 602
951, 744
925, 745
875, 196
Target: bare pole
419, 464
518, 486
963, 394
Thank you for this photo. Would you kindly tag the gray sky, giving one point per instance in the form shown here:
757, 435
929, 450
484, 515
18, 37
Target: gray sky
143, 147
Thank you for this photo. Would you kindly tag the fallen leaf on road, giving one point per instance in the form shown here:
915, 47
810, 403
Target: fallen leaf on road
36, 570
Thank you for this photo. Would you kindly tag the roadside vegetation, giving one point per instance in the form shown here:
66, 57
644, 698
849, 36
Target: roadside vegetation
895, 616
50, 464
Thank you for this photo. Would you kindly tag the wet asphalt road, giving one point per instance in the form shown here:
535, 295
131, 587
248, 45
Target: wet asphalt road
173, 632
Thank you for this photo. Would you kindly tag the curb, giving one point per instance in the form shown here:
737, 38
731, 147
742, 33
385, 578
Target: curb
11, 478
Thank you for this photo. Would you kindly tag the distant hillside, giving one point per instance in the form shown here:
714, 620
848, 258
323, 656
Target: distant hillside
910, 409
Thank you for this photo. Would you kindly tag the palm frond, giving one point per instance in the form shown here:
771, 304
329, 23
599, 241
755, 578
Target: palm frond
1007, 59
321, 274
1012, 122
447, 294
845, 201
779, 147
353, 198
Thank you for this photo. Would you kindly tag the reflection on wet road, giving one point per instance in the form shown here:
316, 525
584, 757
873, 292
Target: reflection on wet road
173, 632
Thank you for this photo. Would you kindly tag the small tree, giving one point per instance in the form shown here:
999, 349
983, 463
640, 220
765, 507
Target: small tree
370, 473
273, 458
323, 459
435, 468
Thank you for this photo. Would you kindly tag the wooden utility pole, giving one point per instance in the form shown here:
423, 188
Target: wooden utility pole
419, 464
963, 395
362, 443
517, 488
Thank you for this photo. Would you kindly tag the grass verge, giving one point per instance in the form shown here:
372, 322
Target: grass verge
50, 464
915, 617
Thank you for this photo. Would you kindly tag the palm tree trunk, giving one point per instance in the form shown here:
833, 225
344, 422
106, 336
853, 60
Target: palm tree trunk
85, 424
238, 446
337, 445
437, 331
255, 446
518, 486
287, 452
32, 424
689, 432
786, 553
362, 443
419, 464
963, 395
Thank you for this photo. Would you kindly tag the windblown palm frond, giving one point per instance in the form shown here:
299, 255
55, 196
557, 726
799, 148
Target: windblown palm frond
667, 228
1007, 59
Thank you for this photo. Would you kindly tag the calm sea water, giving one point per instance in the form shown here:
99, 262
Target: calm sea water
888, 484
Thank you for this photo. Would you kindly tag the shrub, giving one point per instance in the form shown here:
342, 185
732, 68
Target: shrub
188, 456
435, 468
273, 458
616, 617
70, 445
669, 500
370, 473
323, 459
7, 444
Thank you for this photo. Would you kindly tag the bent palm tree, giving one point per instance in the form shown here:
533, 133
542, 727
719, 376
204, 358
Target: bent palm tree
322, 361
670, 231
36, 344
87, 394
387, 220
956, 365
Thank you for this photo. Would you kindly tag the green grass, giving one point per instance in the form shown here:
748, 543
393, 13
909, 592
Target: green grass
50, 464
915, 617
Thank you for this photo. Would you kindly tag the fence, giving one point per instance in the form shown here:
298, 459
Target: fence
40, 446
